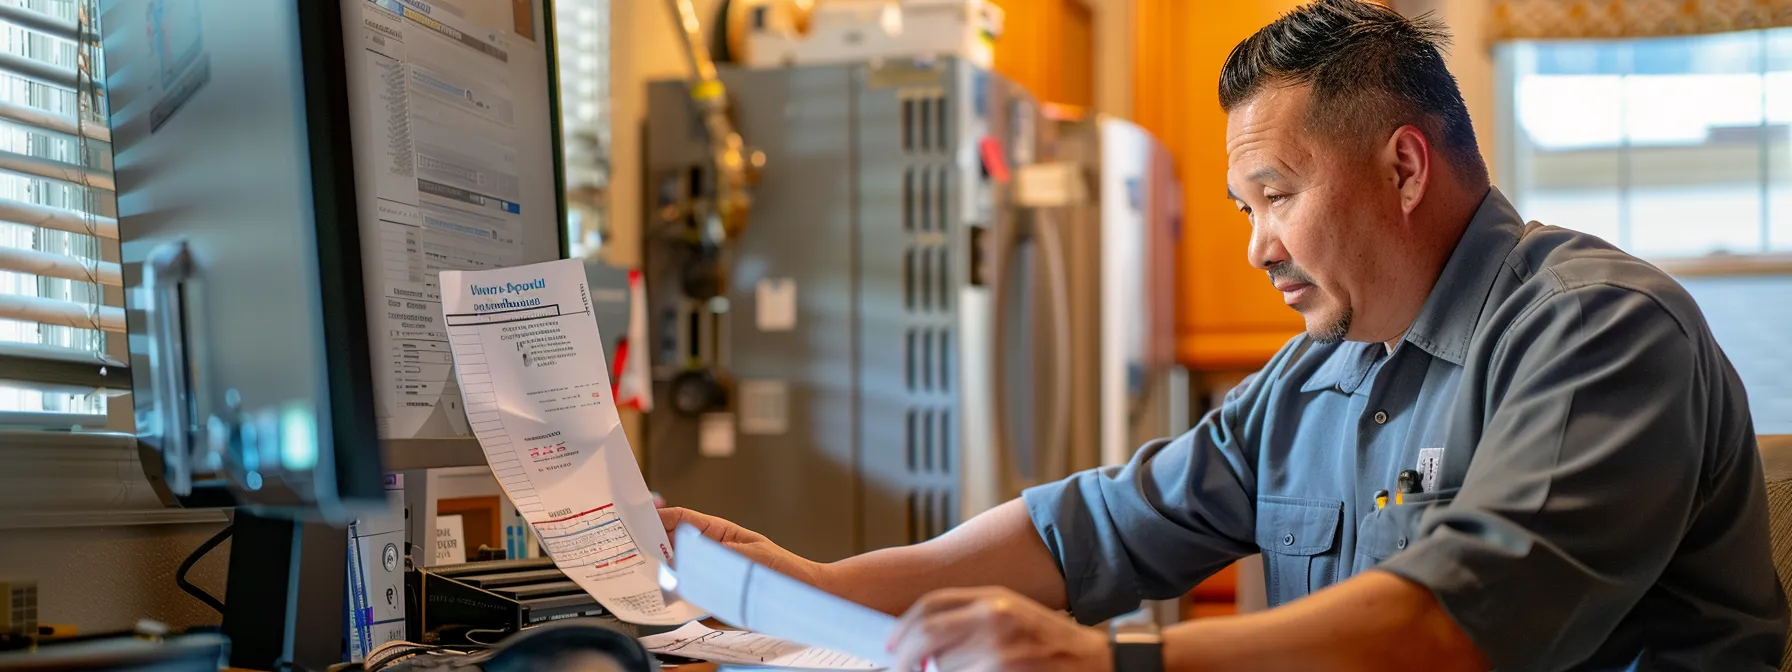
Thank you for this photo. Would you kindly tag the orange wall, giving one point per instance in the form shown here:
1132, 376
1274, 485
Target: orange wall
1048, 46
1228, 316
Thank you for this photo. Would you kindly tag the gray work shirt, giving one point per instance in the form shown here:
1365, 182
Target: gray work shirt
1592, 494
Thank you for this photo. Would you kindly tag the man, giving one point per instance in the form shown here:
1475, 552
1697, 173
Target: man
1570, 474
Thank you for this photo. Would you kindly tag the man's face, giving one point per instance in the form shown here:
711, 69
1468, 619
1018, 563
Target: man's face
1323, 212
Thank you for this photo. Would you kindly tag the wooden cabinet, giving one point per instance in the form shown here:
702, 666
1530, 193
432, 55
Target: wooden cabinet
1048, 46
1228, 315
1229, 318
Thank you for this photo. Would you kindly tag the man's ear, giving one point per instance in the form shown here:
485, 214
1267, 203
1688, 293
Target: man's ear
1409, 155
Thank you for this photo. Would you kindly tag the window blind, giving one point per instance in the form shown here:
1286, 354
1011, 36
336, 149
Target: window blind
1582, 19
583, 33
61, 315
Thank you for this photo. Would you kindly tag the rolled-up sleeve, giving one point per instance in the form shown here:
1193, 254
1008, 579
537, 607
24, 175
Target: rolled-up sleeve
1582, 483
1179, 511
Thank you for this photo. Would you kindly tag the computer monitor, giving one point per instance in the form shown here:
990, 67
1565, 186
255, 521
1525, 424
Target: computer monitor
292, 174
242, 254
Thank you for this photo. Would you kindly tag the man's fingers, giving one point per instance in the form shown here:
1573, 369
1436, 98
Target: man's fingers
952, 598
944, 636
710, 526
945, 599
965, 659
671, 517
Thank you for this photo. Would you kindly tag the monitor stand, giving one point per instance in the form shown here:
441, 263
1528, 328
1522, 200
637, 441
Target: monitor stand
284, 600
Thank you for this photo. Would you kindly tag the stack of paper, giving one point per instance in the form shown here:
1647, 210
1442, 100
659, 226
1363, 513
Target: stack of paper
737, 647
750, 596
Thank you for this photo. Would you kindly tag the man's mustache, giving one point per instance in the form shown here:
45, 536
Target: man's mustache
1288, 271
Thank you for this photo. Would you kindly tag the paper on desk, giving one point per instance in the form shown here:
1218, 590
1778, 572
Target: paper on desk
738, 647
753, 597
531, 368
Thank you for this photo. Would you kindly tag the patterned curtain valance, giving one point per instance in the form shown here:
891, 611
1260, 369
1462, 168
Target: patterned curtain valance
1568, 19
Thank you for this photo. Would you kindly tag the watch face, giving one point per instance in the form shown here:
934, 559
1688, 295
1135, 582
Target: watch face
1138, 638
1135, 625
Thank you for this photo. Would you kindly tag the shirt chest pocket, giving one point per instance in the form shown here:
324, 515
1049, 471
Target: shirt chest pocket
1389, 530
1297, 536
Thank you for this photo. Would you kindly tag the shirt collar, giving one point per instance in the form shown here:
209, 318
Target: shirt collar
1447, 321
1450, 313
1345, 367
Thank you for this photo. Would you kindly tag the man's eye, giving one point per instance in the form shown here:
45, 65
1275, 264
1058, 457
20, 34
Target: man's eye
1273, 198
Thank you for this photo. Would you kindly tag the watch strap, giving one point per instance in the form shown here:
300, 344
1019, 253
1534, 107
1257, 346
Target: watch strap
1138, 652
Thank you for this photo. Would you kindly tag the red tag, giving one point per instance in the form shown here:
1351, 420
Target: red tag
995, 160
621, 361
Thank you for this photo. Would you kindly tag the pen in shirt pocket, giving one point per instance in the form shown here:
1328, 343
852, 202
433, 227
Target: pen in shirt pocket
1406, 483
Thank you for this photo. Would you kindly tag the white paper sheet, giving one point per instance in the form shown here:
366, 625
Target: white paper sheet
451, 541
715, 435
777, 304
531, 364
750, 596
739, 647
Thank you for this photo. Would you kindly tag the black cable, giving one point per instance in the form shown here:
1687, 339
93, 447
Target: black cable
180, 575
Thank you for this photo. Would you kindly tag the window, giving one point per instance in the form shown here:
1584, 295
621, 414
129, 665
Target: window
58, 242
1666, 147
584, 46
1676, 150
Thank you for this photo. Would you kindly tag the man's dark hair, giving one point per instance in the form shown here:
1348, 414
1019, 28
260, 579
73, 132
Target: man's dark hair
1371, 71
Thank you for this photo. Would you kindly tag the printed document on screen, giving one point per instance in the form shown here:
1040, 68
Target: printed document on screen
437, 133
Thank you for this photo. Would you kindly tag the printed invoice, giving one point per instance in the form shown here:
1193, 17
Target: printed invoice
531, 366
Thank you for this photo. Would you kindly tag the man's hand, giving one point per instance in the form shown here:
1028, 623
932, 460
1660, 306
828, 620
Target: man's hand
994, 629
745, 542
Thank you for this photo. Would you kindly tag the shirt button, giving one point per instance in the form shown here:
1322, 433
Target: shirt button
1287, 540
1381, 417
1401, 544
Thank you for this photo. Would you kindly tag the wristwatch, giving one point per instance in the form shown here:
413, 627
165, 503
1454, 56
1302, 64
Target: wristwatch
1137, 643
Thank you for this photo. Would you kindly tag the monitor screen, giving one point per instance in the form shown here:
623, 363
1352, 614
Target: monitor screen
292, 175
455, 165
